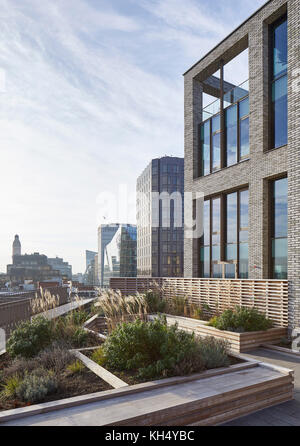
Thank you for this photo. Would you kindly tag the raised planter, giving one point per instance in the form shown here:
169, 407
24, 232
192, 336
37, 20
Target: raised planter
209, 398
243, 342
238, 342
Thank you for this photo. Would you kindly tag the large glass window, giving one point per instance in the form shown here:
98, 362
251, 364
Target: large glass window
279, 228
232, 222
237, 132
279, 83
236, 138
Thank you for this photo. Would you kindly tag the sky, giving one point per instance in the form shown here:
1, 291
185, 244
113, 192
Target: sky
90, 92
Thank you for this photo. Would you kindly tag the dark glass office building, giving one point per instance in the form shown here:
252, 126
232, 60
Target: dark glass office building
160, 232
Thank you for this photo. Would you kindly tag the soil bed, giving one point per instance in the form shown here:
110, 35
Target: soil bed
69, 385
131, 376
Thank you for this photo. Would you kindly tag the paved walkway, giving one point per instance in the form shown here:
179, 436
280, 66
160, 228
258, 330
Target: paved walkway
286, 414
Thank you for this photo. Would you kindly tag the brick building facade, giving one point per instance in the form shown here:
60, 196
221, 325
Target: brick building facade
263, 166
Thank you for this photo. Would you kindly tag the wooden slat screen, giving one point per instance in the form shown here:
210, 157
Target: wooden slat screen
268, 296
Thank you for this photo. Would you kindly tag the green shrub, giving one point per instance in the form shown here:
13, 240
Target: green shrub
10, 387
78, 317
153, 349
154, 303
241, 320
214, 352
178, 306
99, 357
36, 386
64, 330
29, 338
75, 367
53, 358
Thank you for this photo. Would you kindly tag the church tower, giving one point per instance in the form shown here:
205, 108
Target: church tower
16, 247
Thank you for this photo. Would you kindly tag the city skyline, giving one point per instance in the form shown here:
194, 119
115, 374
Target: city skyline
70, 125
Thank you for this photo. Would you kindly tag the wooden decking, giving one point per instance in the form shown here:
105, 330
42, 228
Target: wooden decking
207, 401
286, 414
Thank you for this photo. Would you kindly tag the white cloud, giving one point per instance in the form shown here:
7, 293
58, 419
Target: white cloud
92, 94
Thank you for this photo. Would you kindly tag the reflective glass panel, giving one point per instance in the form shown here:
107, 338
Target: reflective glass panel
244, 107
279, 254
280, 208
205, 259
232, 218
205, 143
244, 205
216, 151
280, 111
280, 49
243, 266
231, 134
216, 123
206, 223
244, 138
216, 224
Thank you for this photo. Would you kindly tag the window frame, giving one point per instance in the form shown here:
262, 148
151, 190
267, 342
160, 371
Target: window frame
223, 231
212, 134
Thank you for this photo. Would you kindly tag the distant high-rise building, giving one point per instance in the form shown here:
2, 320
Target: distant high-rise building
160, 229
105, 236
16, 251
78, 278
96, 271
120, 254
64, 268
89, 256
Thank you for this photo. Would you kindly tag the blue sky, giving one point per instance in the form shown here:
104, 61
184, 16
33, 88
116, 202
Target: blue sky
93, 91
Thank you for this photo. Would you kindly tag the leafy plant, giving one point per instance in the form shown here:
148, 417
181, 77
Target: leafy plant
99, 356
10, 387
73, 335
154, 303
118, 308
53, 358
155, 350
36, 386
77, 317
241, 320
29, 338
178, 306
75, 367
196, 312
